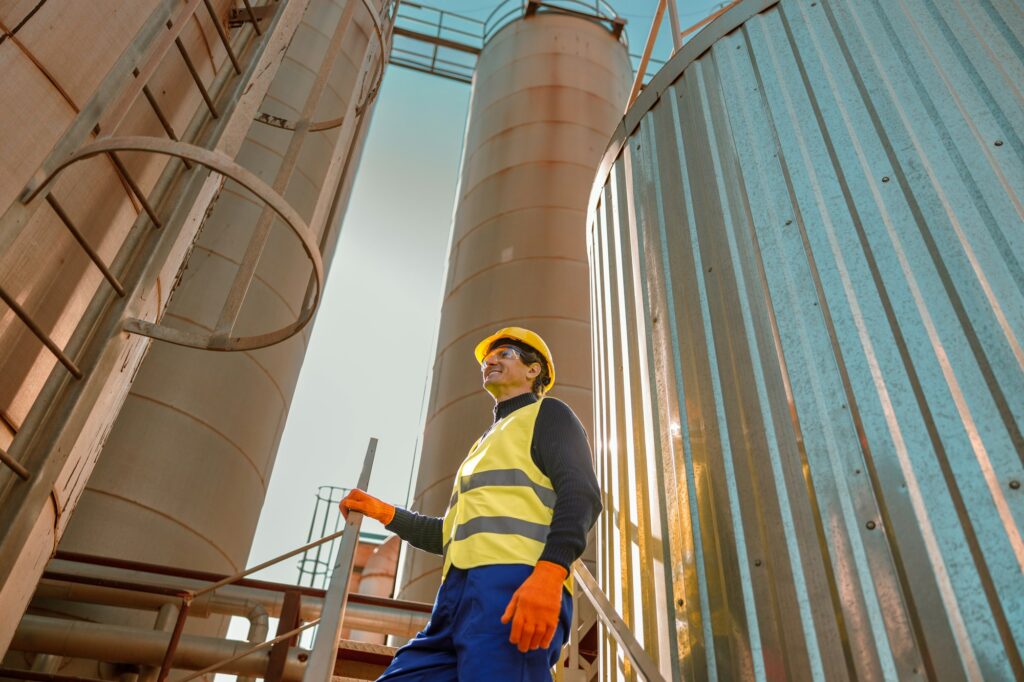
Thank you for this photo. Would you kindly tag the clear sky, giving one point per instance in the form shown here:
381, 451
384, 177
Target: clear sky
372, 345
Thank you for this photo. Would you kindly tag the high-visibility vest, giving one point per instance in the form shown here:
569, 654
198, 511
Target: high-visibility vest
502, 503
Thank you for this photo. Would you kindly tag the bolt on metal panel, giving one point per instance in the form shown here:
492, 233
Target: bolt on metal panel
808, 307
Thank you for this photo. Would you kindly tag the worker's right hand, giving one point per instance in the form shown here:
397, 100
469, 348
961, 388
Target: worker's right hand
359, 501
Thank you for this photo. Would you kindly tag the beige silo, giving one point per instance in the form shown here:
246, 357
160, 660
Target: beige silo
66, 67
182, 477
182, 474
547, 92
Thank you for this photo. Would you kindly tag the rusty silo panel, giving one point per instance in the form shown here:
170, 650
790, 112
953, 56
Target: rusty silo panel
808, 304
546, 94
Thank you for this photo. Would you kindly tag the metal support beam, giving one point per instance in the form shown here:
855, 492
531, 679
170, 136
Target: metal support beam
641, 69
289, 620
673, 22
325, 646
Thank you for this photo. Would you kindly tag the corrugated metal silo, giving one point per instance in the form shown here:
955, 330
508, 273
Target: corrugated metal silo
547, 92
808, 303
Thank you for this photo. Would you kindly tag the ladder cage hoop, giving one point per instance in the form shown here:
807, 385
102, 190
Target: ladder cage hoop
329, 124
219, 163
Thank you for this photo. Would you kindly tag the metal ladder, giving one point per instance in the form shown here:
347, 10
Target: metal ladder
72, 412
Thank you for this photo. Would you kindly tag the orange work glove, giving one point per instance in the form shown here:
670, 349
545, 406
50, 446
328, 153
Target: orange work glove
359, 501
535, 606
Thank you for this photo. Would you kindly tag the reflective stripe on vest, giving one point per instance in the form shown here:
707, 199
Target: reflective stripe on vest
502, 503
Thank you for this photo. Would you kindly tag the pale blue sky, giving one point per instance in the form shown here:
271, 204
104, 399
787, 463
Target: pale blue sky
373, 341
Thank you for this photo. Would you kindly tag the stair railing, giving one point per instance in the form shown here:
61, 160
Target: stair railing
616, 627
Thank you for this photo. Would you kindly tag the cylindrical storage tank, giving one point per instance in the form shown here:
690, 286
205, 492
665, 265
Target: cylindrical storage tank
55, 57
806, 244
547, 92
182, 477
63, 63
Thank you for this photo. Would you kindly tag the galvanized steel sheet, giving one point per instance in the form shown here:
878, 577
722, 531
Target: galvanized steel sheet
806, 256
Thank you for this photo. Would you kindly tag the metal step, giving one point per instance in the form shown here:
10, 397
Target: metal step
361, 660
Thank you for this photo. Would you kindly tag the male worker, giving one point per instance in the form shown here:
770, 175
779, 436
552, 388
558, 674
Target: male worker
521, 506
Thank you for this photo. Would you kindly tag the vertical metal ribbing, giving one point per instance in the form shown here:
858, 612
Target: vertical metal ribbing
247, 269
821, 214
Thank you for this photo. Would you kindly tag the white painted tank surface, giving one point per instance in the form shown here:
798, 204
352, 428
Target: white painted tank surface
547, 93
806, 243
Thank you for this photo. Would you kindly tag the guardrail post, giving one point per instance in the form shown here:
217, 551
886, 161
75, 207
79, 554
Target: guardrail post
325, 646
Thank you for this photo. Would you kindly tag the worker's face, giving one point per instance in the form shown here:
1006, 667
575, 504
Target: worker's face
505, 374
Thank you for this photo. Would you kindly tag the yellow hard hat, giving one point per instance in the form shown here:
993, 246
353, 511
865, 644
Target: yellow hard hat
526, 336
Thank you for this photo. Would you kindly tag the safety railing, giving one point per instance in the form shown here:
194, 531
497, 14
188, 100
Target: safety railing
614, 625
436, 41
678, 34
176, 602
598, 11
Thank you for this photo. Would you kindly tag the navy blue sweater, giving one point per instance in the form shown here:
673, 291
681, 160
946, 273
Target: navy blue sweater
561, 451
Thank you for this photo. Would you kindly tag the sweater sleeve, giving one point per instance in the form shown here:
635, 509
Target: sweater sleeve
561, 451
422, 532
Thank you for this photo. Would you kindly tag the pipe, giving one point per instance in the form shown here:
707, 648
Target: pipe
47, 663
165, 619
259, 628
377, 579
369, 614
38, 634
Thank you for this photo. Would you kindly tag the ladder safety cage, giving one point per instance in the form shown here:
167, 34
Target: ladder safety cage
185, 194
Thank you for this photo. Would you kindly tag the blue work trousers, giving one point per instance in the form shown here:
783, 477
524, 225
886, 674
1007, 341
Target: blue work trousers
465, 639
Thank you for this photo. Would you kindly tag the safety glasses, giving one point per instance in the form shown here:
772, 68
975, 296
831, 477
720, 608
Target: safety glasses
503, 353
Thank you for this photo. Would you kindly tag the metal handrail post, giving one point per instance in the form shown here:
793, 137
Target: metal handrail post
616, 627
325, 646
673, 22
641, 69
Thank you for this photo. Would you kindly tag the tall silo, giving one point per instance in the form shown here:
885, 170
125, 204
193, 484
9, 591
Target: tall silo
806, 248
547, 92
182, 475
65, 68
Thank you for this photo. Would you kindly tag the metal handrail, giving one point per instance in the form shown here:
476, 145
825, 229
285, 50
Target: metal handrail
508, 11
616, 627
677, 38
334, 602
325, 646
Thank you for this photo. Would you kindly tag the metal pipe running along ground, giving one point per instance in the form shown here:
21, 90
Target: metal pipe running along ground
39, 634
369, 615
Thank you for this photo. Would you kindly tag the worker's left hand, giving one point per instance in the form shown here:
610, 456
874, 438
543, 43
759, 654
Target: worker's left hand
535, 606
